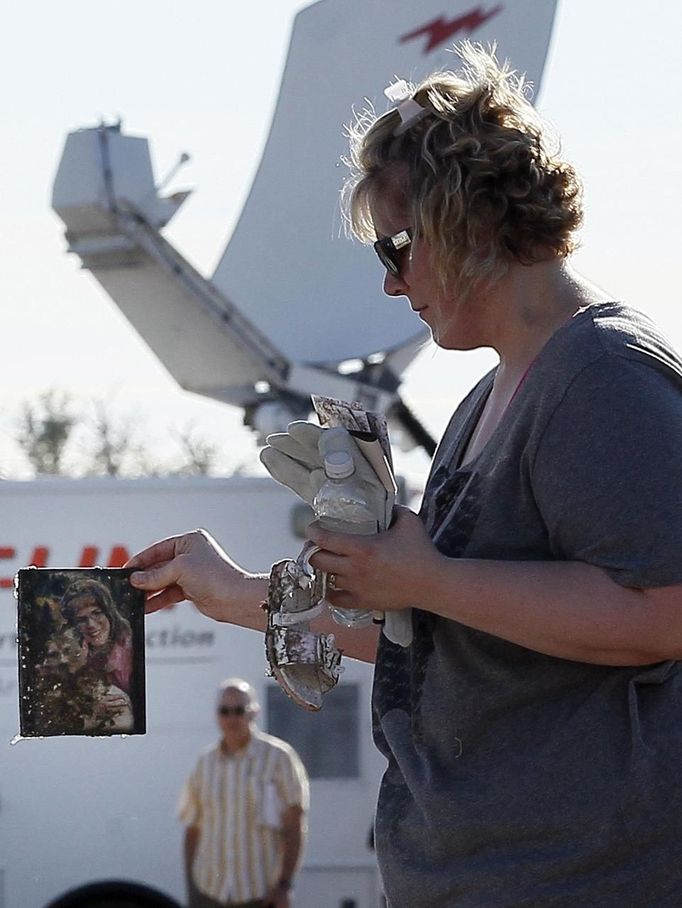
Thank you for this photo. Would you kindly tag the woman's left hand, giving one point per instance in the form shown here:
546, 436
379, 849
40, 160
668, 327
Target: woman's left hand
383, 572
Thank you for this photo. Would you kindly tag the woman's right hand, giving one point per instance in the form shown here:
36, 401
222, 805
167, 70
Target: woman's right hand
190, 566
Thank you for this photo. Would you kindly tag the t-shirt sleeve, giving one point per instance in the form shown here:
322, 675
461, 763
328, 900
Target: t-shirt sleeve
607, 475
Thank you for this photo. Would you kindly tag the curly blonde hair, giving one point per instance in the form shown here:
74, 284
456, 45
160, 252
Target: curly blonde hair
479, 175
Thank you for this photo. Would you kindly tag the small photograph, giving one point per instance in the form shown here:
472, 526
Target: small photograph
81, 652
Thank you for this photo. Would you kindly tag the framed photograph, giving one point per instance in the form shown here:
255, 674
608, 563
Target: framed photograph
81, 652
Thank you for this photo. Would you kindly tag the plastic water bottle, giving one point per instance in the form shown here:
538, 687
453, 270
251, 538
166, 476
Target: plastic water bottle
341, 506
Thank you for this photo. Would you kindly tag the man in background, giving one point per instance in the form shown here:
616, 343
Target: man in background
244, 807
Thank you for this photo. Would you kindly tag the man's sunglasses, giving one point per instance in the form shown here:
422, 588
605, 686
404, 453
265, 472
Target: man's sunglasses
232, 710
391, 250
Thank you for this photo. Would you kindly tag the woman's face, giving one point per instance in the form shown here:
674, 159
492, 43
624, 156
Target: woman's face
91, 621
453, 321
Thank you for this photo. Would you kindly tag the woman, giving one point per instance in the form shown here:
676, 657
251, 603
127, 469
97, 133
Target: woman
106, 651
532, 727
104, 633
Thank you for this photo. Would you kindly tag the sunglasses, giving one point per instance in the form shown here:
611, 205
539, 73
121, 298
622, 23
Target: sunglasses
232, 710
391, 250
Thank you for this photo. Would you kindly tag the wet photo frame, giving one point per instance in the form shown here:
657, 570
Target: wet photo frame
81, 652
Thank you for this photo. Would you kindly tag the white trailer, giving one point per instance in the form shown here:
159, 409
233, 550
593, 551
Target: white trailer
76, 810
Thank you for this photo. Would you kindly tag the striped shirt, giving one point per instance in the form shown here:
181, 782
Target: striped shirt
236, 801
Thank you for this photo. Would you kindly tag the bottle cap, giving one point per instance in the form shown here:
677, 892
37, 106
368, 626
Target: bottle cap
339, 465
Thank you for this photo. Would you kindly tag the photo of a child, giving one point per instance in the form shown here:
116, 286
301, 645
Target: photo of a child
81, 642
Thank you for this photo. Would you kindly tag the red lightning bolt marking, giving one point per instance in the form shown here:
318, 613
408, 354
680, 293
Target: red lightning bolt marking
439, 30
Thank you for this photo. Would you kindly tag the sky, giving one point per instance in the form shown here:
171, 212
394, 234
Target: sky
184, 76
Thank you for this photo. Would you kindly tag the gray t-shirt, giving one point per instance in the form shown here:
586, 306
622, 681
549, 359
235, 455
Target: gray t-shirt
515, 778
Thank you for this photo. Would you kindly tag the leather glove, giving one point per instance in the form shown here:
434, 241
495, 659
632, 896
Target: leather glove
292, 459
295, 458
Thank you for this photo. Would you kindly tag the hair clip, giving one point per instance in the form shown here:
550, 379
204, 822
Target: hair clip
400, 95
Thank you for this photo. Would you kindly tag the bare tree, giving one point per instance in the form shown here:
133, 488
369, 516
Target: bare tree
101, 444
44, 430
114, 443
199, 454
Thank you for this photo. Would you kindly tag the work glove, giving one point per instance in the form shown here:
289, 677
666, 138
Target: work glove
295, 458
